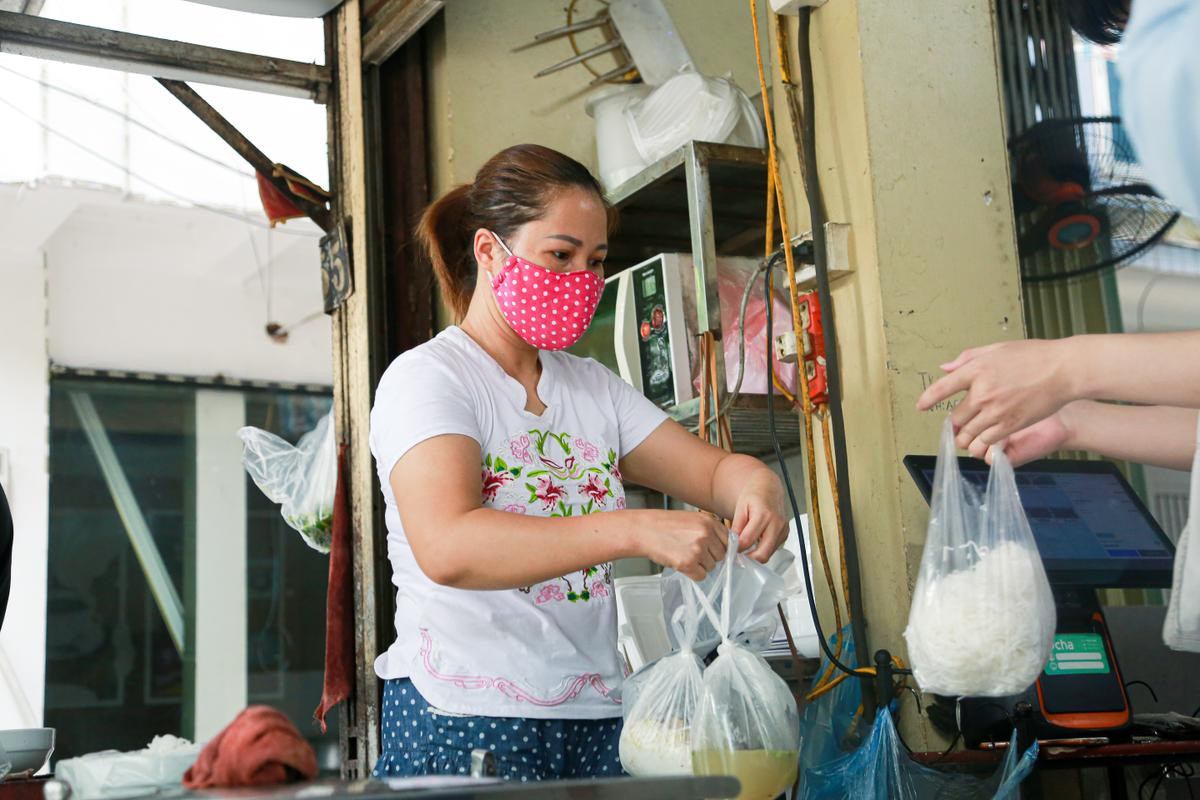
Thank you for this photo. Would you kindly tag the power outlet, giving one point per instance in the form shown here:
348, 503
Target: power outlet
785, 348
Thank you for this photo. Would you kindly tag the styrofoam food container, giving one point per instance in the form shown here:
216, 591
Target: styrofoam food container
28, 748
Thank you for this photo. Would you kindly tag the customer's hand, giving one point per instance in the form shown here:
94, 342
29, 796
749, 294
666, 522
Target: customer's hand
1009, 387
1037, 441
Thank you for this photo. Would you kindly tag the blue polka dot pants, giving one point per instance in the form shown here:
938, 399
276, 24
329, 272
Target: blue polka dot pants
420, 740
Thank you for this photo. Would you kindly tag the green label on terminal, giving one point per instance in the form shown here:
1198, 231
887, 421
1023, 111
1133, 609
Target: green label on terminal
1078, 654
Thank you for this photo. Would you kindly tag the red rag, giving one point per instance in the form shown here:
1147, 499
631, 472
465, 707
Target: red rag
261, 747
276, 205
339, 603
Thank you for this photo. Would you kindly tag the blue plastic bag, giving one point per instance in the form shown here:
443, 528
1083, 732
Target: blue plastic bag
829, 727
882, 770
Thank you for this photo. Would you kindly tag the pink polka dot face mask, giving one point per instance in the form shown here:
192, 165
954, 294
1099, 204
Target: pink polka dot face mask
549, 310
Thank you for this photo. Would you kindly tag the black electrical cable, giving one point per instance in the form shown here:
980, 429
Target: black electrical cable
816, 210
1146, 782
787, 480
1149, 688
772, 263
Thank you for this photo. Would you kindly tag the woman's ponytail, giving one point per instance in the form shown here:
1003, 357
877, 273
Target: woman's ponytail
445, 231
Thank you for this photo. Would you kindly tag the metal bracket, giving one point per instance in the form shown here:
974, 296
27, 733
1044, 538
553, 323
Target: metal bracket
244, 147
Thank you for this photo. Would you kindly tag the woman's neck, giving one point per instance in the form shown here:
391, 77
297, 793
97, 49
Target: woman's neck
511, 352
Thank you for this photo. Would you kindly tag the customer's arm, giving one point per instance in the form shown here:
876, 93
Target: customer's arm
1013, 385
1158, 435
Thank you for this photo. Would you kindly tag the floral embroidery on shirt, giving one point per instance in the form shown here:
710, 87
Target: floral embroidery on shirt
556, 475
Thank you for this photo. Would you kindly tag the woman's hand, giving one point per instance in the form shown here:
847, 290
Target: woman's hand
690, 542
1009, 387
760, 519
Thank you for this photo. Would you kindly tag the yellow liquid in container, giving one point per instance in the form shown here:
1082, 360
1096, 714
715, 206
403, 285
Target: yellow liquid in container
765, 774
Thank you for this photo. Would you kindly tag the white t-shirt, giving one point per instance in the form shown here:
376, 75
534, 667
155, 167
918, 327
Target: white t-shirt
545, 651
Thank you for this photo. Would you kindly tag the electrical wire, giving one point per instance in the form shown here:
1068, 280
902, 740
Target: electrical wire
249, 175
1149, 688
850, 560
840, 469
175, 195
791, 493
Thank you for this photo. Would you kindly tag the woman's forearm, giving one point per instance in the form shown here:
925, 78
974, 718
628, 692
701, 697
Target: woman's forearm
1160, 435
488, 549
1161, 369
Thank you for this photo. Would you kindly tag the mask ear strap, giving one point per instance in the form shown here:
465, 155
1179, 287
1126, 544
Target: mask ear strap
500, 242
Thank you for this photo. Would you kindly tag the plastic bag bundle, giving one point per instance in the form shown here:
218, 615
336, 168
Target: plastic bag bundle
747, 724
659, 703
882, 770
982, 618
302, 479
754, 589
692, 107
111, 775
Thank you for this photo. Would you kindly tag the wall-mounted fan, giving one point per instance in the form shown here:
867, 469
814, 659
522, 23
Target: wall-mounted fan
1081, 201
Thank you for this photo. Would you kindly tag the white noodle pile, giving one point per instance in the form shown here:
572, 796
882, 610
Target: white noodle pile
650, 747
984, 631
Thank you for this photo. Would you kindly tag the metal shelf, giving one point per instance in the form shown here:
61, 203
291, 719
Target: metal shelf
658, 204
708, 200
748, 423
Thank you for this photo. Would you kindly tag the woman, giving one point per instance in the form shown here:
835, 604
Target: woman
497, 453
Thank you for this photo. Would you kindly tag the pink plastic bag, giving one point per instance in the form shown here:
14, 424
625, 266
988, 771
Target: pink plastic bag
732, 276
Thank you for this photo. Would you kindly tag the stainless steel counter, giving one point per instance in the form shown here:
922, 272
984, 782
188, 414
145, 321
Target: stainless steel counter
684, 788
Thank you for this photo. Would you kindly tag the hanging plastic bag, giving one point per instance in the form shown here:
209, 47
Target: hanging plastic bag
748, 351
302, 479
982, 618
659, 702
1181, 628
882, 770
832, 724
747, 724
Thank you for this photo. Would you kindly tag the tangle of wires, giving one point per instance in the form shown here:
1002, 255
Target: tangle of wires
1178, 770
773, 263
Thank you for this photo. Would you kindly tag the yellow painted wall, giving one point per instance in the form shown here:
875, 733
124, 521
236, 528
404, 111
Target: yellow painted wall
911, 153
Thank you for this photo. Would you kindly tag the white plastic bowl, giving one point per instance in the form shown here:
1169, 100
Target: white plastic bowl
28, 748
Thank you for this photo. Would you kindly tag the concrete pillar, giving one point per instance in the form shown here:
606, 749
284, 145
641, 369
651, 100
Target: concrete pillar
911, 153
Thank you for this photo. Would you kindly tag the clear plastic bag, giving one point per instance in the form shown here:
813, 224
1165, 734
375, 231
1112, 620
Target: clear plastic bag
1181, 628
982, 618
659, 702
302, 479
882, 770
755, 589
747, 724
